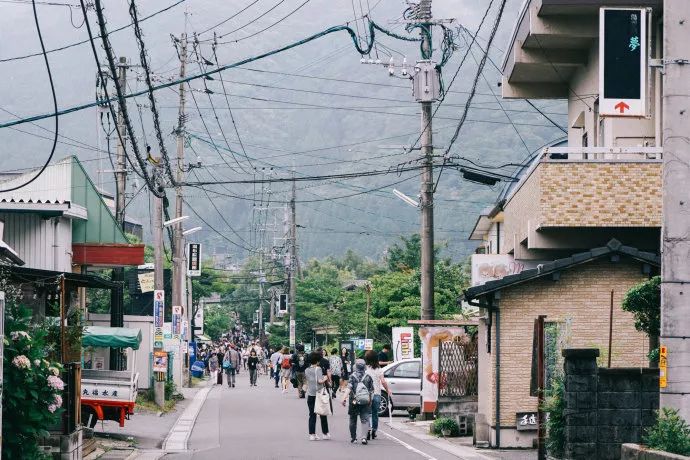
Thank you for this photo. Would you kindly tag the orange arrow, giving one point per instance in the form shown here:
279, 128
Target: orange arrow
622, 106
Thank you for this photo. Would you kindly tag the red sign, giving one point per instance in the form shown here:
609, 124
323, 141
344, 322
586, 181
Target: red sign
621, 107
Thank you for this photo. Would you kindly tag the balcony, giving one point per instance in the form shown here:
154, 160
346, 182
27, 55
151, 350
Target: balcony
574, 198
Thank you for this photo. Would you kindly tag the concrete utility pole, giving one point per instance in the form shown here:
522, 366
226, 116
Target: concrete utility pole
158, 281
427, 192
117, 300
293, 263
178, 274
675, 245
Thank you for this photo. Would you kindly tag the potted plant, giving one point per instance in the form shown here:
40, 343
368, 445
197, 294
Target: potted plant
445, 426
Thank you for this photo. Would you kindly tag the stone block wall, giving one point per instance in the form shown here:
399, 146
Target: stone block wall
605, 408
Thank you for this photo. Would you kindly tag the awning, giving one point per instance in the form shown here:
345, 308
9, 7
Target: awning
203, 338
114, 337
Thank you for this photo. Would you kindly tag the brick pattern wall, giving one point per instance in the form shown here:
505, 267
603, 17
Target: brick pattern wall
523, 207
601, 194
605, 408
580, 300
561, 194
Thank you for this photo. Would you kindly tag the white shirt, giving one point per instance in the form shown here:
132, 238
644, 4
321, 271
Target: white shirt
276, 358
375, 375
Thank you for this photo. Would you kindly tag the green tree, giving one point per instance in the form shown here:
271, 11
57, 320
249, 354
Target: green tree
644, 302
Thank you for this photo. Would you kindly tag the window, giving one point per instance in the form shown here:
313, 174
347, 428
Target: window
409, 370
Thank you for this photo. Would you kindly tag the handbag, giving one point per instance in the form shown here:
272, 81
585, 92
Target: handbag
227, 364
322, 404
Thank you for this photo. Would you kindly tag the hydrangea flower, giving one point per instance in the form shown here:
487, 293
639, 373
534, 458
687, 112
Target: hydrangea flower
55, 383
57, 401
54, 370
16, 335
22, 362
37, 362
52, 408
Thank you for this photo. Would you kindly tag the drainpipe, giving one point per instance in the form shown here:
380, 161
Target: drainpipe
56, 246
497, 319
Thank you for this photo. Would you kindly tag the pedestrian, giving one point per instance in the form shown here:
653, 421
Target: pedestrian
285, 369
252, 364
276, 360
325, 365
299, 365
213, 366
245, 356
316, 380
384, 356
336, 365
347, 364
360, 388
219, 375
233, 359
375, 371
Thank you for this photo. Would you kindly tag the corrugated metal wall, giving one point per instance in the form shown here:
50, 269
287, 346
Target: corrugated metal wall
35, 241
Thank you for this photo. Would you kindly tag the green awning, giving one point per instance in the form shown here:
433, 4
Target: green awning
115, 337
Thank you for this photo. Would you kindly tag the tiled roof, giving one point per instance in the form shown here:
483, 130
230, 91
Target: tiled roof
612, 247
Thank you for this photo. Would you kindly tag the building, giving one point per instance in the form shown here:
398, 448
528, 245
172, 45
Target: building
582, 224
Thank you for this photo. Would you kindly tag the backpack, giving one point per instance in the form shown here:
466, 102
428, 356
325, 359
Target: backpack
301, 361
362, 395
286, 363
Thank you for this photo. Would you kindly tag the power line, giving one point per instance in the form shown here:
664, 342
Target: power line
55, 105
72, 45
267, 27
230, 18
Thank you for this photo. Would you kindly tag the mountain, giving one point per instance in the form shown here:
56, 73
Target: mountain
339, 116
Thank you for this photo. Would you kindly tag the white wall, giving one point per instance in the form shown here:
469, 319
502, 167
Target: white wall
39, 244
145, 323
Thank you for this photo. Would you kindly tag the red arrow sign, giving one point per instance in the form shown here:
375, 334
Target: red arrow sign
622, 106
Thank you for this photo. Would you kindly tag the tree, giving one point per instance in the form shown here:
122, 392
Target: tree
644, 302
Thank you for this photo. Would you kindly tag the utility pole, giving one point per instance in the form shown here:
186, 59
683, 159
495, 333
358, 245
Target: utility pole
675, 271
427, 191
178, 273
293, 263
117, 299
158, 282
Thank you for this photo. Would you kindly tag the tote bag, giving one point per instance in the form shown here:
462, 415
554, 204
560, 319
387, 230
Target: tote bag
322, 404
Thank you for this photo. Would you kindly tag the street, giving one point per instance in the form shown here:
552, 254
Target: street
263, 423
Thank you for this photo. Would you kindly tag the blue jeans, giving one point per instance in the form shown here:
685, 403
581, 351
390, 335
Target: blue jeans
375, 404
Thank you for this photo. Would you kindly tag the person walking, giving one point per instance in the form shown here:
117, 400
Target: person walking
213, 366
285, 369
299, 365
316, 380
219, 375
347, 364
252, 364
384, 356
245, 356
276, 360
336, 364
375, 371
232, 357
358, 400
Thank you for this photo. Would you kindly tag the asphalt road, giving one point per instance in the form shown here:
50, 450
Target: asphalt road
263, 423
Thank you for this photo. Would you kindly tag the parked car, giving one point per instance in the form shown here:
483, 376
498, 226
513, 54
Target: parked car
405, 381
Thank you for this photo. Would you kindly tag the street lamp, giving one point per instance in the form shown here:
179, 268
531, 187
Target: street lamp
405, 198
170, 222
191, 230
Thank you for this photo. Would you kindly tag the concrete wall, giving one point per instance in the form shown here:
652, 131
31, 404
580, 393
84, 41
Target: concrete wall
580, 299
605, 408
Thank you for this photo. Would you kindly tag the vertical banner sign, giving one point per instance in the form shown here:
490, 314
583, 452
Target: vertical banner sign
176, 321
431, 337
185, 330
403, 343
663, 363
623, 62
292, 333
194, 259
158, 312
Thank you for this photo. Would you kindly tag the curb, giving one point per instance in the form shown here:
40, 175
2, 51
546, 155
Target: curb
459, 451
177, 438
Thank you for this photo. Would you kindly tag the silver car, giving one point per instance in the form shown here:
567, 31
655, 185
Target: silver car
404, 378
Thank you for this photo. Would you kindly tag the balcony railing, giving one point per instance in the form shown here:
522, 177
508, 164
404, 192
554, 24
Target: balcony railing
605, 154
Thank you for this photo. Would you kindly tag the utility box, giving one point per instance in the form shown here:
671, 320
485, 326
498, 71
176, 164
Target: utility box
426, 84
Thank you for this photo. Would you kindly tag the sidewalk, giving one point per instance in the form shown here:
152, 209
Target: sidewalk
462, 446
143, 435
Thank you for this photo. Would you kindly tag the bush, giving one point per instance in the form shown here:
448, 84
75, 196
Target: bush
670, 433
554, 404
445, 423
32, 396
